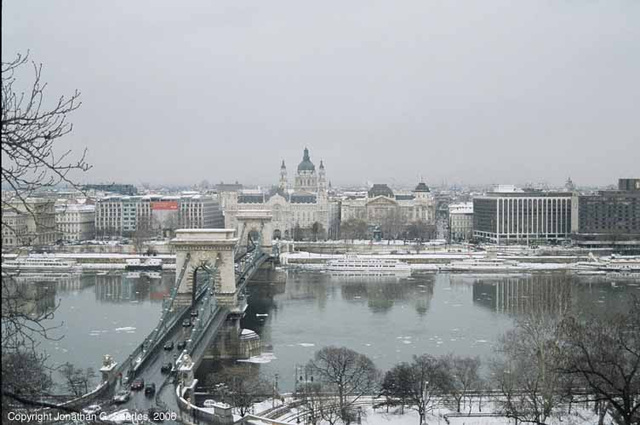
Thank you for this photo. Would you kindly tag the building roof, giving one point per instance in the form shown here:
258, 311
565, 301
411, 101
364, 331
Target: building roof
252, 198
462, 208
303, 198
380, 190
306, 164
421, 187
404, 197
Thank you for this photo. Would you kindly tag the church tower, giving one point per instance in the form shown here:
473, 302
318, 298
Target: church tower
283, 185
322, 179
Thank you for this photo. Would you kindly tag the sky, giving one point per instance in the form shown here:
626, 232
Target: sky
469, 92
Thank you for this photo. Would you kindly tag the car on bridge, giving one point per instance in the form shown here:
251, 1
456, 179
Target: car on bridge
137, 384
166, 368
194, 313
168, 345
186, 323
182, 345
150, 389
121, 396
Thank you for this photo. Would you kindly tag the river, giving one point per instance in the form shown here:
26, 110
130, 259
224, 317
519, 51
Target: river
298, 312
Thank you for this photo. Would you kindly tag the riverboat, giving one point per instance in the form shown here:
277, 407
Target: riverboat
484, 265
40, 262
150, 264
615, 264
368, 265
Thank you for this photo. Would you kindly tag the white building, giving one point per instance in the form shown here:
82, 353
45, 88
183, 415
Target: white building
151, 215
508, 215
76, 222
461, 221
200, 212
14, 229
391, 212
300, 207
40, 217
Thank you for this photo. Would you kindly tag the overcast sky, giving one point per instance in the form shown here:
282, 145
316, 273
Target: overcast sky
383, 91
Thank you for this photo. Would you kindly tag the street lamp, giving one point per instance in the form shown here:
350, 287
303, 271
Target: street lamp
275, 389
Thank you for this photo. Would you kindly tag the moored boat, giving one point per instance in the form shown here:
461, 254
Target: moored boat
40, 262
362, 264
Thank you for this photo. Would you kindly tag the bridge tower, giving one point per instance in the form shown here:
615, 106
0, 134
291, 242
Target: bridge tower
205, 248
255, 221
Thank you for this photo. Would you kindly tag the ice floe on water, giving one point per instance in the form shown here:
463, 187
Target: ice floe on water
261, 359
306, 344
128, 329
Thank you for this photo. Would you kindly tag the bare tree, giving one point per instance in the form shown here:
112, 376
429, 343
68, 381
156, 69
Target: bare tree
77, 380
604, 353
316, 228
527, 372
31, 158
144, 231
319, 405
396, 386
420, 230
353, 228
350, 374
464, 377
428, 379
244, 386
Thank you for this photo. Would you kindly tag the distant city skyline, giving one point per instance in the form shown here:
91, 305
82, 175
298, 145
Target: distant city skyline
475, 93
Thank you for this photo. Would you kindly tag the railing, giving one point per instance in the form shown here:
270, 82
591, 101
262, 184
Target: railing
167, 304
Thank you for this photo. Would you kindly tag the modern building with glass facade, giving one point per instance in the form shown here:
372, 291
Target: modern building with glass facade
610, 218
515, 216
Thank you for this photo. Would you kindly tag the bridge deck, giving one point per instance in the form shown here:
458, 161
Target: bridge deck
150, 369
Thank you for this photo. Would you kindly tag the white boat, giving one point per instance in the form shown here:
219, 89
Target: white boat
484, 265
621, 264
148, 264
355, 263
614, 264
40, 262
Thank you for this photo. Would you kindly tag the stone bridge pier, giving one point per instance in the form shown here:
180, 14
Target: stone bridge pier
255, 221
207, 249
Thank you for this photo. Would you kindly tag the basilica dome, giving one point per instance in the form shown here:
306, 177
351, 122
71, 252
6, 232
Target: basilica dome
306, 164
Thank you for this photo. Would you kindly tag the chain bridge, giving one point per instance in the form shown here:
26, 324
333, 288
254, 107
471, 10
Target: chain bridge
213, 267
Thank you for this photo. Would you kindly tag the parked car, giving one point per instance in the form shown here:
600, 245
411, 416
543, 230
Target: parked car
209, 403
166, 368
150, 389
186, 323
182, 345
94, 409
168, 345
137, 384
121, 396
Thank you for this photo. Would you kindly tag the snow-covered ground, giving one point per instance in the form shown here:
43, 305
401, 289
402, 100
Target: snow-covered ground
440, 416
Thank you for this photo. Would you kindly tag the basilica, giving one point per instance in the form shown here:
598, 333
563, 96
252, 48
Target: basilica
309, 209
303, 206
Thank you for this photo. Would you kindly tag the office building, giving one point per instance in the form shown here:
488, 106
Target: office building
509, 215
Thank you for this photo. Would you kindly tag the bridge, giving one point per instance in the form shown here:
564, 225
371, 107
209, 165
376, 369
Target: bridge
213, 267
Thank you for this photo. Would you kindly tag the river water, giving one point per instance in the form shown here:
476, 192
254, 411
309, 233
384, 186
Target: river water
298, 312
